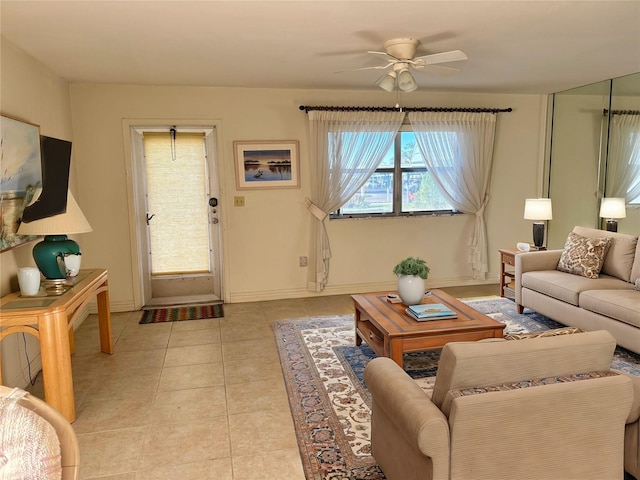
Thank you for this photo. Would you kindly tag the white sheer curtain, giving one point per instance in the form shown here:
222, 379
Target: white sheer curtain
458, 150
345, 149
623, 166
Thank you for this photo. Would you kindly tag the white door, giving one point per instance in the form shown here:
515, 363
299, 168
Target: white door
178, 217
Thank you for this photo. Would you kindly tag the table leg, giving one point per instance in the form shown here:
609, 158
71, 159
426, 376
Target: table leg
72, 341
357, 319
104, 320
502, 274
56, 364
395, 351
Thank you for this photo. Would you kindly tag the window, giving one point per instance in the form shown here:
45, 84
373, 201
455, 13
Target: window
401, 185
177, 206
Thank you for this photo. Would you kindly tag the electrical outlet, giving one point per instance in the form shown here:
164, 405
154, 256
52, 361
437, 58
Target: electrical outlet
304, 261
238, 201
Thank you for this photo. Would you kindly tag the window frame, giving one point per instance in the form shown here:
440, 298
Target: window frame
397, 170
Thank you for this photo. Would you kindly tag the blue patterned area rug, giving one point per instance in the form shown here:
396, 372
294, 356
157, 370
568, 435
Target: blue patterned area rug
329, 402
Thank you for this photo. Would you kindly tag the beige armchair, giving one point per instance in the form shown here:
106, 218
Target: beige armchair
68, 464
544, 408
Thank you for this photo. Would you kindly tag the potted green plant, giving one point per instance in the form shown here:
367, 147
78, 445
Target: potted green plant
411, 273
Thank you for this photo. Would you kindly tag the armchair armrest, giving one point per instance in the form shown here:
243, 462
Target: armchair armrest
632, 431
634, 415
403, 415
532, 261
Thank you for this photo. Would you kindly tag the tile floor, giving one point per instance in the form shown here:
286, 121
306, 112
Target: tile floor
199, 400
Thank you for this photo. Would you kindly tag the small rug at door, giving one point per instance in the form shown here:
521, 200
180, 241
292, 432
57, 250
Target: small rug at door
330, 404
178, 314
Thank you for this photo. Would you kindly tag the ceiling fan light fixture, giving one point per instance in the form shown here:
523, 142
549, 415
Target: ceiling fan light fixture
388, 82
406, 82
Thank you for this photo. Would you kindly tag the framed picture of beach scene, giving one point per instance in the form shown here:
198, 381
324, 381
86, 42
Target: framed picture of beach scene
267, 164
20, 177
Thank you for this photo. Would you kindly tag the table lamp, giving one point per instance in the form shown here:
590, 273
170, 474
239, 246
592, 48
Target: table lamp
612, 208
539, 210
50, 253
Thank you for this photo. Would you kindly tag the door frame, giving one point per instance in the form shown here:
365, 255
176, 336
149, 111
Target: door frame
135, 200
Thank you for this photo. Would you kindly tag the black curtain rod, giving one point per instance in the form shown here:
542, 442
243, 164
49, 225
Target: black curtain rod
307, 109
621, 112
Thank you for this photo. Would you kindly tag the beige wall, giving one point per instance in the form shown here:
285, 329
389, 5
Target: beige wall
262, 241
30, 92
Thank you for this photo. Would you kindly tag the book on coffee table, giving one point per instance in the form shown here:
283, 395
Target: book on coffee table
430, 311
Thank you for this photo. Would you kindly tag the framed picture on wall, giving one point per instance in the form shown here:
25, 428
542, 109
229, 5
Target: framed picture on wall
21, 176
267, 164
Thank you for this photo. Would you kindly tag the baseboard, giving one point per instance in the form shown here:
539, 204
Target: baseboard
350, 289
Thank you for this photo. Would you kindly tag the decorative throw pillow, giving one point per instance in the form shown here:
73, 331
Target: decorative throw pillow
638, 284
29, 445
583, 256
545, 333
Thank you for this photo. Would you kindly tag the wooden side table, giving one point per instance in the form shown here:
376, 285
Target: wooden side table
50, 318
507, 272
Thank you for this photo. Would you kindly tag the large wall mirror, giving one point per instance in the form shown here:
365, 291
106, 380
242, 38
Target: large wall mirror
593, 152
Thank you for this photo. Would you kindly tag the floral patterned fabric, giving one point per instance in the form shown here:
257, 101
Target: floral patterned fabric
583, 256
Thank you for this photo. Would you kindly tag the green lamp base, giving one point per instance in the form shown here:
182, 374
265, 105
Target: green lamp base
49, 255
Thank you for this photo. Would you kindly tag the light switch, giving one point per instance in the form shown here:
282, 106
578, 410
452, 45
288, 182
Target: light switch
238, 201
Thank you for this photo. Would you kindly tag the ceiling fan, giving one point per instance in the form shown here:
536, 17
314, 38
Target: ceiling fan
400, 53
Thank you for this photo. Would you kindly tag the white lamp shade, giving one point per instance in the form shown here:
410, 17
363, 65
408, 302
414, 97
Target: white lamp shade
69, 222
538, 209
388, 82
613, 208
406, 82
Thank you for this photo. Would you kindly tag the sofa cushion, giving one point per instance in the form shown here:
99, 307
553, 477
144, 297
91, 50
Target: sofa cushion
583, 255
622, 305
622, 251
565, 287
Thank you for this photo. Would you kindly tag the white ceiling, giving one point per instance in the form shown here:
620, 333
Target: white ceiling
513, 46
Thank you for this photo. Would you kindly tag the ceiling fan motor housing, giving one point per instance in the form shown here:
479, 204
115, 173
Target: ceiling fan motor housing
401, 48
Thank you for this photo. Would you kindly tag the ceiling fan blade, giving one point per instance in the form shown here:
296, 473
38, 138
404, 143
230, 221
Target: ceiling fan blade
452, 56
381, 53
438, 70
379, 67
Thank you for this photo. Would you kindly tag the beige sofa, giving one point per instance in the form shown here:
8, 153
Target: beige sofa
609, 302
491, 417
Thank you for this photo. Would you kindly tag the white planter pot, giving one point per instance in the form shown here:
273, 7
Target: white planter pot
410, 289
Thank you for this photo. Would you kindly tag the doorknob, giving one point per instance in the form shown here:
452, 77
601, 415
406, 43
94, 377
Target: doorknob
213, 202
149, 217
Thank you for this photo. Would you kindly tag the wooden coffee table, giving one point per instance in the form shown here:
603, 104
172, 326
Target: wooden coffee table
390, 332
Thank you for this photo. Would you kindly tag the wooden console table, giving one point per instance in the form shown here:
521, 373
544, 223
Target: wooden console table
50, 318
